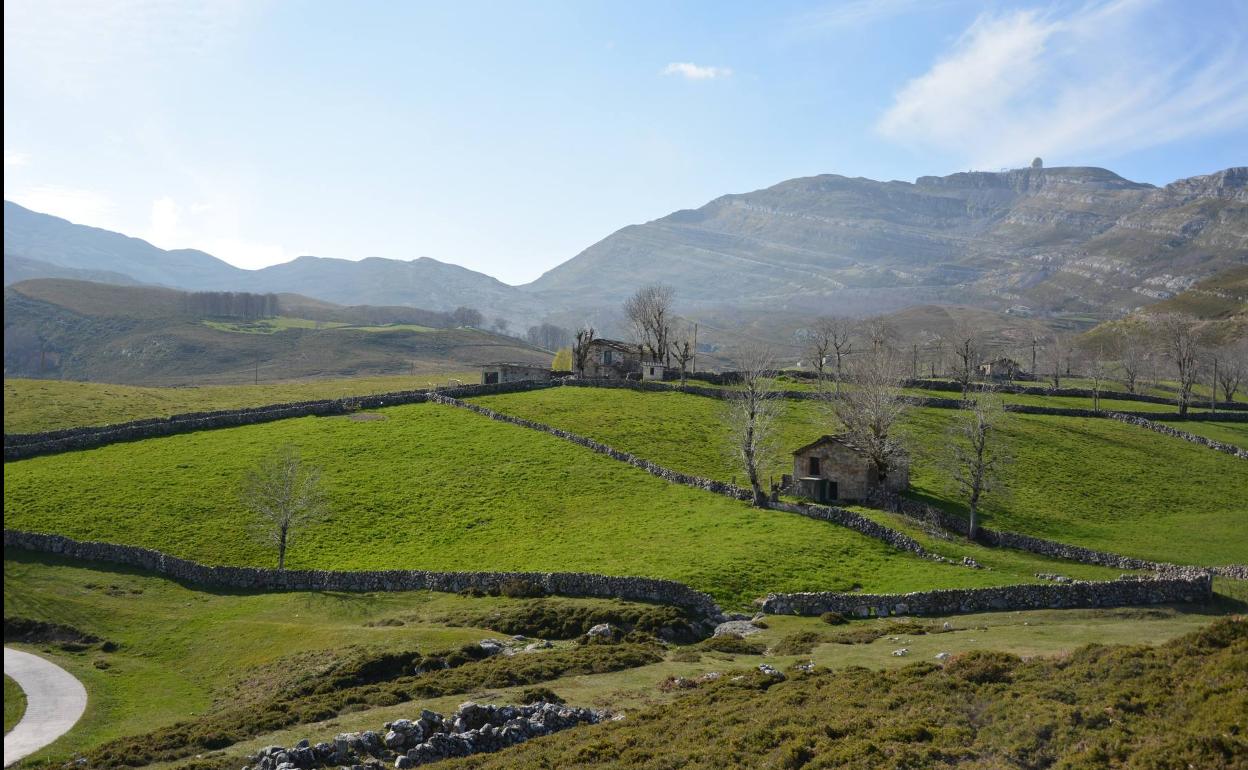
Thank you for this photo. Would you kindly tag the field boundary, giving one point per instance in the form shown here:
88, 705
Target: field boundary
19, 446
1126, 591
574, 584
1188, 587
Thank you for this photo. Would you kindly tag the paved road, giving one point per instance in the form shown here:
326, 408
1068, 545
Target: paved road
54, 702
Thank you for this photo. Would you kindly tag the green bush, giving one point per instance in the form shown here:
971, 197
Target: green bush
982, 666
733, 644
801, 643
833, 618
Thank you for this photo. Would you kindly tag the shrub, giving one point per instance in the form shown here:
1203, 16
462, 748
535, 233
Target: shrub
982, 666
733, 644
519, 588
539, 695
833, 618
800, 643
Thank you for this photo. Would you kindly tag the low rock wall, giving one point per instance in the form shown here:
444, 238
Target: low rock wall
579, 584
1041, 390
1219, 446
22, 445
1113, 593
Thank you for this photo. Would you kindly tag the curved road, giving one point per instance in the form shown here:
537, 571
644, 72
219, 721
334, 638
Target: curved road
54, 702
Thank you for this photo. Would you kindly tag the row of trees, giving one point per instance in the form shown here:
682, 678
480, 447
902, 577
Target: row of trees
231, 304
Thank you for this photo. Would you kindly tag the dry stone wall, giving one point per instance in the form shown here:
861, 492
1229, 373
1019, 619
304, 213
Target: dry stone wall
1219, 446
23, 445
1128, 591
1041, 390
579, 584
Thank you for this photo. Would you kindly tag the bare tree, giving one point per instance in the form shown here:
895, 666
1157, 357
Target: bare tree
1096, 371
1056, 356
938, 356
683, 352
500, 325
840, 334
816, 342
1177, 335
1133, 354
1232, 367
976, 452
549, 336
286, 496
580, 349
752, 412
967, 352
880, 333
871, 407
467, 316
649, 311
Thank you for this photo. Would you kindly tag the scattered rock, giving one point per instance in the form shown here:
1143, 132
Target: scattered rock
736, 628
771, 671
901, 653
943, 656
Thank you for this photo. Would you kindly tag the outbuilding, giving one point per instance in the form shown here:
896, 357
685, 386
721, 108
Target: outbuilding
831, 469
492, 374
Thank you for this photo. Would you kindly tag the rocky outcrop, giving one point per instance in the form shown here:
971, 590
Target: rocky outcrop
404, 743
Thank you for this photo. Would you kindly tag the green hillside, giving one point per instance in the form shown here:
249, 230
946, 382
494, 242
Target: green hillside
1092, 482
77, 330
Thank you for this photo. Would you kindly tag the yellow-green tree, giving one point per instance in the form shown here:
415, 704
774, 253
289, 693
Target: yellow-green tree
563, 360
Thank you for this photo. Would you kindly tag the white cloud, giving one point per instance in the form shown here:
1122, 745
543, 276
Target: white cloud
163, 230
15, 159
860, 13
83, 207
1093, 82
691, 71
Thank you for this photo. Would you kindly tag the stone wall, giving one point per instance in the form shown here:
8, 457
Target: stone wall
261, 579
1219, 446
1196, 587
22, 445
947, 522
1041, 390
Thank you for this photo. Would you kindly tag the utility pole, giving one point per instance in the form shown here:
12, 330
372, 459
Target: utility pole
914, 362
1213, 399
695, 348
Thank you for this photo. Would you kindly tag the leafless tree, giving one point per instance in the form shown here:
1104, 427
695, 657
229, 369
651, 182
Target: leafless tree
816, 342
649, 311
500, 325
1177, 335
1133, 354
549, 336
870, 408
976, 451
580, 349
938, 356
840, 332
286, 496
880, 333
1057, 355
683, 352
752, 413
1096, 371
967, 352
1232, 367
467, 316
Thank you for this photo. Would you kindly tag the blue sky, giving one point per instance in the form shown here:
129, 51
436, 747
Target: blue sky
508, 136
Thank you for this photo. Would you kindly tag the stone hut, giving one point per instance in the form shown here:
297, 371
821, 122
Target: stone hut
1002, 369
832, 469
493, 374
613, 360
652, 370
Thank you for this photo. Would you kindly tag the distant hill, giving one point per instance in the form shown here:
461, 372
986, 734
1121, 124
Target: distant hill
1060, 239
1219, 303
146, 335
42, 246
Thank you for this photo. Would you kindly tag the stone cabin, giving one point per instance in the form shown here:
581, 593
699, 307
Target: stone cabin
613, 360
492, 374
832, 469
652, 370
1002, 369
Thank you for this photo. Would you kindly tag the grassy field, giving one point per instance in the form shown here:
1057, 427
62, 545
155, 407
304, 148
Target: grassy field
14, 704
1092, 482
184, 653
439, 488
270, 325
37, 405
1234, 433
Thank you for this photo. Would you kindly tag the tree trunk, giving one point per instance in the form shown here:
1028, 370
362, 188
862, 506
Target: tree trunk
973, 529
281, 550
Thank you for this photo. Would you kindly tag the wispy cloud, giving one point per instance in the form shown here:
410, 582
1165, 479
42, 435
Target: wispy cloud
1101, 80
15, 159
691, 71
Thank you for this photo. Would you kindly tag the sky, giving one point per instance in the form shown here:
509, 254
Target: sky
506, 137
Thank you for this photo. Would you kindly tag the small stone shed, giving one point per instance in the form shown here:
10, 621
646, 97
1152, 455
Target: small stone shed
613, 360
652, 370
1002, 369
492, 374
832, 469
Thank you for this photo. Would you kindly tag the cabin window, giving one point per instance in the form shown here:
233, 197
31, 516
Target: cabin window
814, 466
606, 357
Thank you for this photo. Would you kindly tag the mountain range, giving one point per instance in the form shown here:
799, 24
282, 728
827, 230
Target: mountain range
1057, 240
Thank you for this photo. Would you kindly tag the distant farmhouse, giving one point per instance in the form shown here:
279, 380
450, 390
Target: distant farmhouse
832, 469
616, 360
1002, 369
492, 374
